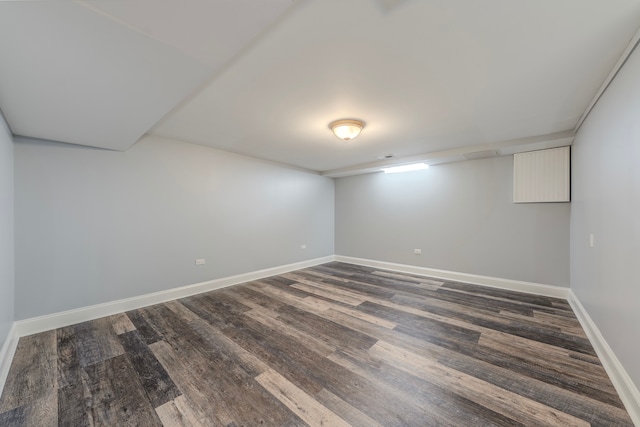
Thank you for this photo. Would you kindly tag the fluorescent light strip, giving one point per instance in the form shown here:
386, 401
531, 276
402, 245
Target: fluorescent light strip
406, 168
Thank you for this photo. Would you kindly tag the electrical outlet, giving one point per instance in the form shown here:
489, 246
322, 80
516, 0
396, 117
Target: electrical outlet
417, 251
200, 261
591, 240
303, 247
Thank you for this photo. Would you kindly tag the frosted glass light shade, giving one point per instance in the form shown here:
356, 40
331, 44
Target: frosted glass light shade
347, 129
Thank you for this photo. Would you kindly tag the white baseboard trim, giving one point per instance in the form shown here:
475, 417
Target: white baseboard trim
493, 282
625, 387
48, 322
6, 354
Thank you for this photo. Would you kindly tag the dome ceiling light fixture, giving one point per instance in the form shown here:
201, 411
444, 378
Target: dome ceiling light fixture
347, 129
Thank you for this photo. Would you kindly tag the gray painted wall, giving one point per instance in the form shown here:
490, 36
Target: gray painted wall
94, 226
462, 217
6, 231
606, 203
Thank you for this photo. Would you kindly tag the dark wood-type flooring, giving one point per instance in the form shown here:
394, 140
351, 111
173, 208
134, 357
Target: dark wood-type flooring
331, 345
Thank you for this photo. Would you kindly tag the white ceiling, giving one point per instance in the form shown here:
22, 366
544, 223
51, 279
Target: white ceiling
264, 77
101, 73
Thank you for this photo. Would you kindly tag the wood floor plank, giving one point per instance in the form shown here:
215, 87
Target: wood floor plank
422, 404
335, 344
300, 403
202, 400
566, 324
377, 332
543, 373
536, 321
96, 341
342, 296
229, 384
280, 283
156, 382
501, 294
280, 352
584, 372
566, 401
435, 304
178, 413
442, 333
121, 323
213, 338
33, 374
311, 372
555, 397
302, 299
74, 404
544, 349
422, 281
586, 358
525, 346
379, 399
357, 296
68, 361
594, 411
220, 391
270, 319
117, 397
247, 295
331, 332
495, 398
376, 320
214, 308
196, 338
399, 287
527, 304
500, 323
142, 325
345, 283
347, 412
41, 412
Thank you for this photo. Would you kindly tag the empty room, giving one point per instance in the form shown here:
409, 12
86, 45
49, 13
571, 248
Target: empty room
320, 213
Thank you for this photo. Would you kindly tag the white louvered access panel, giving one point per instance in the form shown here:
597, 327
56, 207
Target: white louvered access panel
542, 176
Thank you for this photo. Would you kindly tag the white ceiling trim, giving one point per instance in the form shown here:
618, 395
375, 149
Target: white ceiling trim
96, 10
633, 43
502, 148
